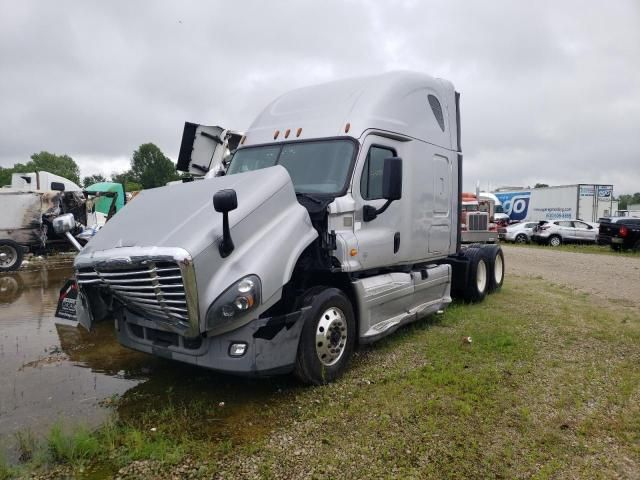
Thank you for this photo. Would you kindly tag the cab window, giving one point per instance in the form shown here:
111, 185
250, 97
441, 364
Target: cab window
371, 179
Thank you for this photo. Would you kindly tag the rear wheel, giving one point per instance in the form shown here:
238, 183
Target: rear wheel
477, 281
495, 266
636, 247
11, 255
328, 336
521, 238
555, 241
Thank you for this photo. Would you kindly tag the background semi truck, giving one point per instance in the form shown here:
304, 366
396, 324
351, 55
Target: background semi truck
588, 202
336, 222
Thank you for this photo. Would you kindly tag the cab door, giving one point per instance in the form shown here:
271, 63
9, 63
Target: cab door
380, 241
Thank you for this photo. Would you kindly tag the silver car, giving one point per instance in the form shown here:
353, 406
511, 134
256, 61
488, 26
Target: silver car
518, 232
557, 232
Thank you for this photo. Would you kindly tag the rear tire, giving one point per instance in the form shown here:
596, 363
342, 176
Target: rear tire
555, 241
477, 281
636, 247
495, 267
328, 336
11, 255
521, 238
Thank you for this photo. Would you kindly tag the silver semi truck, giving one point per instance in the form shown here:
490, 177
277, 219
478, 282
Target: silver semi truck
336, 222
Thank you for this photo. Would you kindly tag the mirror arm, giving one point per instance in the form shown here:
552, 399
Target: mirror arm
73, 241
370, 213
226, 244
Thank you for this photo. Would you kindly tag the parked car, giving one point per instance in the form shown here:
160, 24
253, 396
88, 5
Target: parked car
518, 232
558, 232
620, 233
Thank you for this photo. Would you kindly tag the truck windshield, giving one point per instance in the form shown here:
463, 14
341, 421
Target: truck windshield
314, 167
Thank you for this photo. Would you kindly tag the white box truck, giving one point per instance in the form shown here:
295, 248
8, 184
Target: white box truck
337, 221
587, 202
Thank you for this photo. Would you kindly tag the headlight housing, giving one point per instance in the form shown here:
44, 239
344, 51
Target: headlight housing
235, 303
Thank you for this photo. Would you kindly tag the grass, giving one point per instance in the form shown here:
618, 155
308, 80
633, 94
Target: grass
548, 388
580, 248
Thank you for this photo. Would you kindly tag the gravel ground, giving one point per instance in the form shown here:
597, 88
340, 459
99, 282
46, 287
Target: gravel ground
615, 279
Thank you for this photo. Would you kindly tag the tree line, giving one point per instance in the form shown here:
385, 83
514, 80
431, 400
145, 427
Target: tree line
149, 168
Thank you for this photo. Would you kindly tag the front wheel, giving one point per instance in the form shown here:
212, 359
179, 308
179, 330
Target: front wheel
328, 336
11, 255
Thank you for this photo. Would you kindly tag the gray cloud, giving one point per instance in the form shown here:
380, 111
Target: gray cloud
550, 91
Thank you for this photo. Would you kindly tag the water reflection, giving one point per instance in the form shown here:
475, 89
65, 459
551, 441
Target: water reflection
51, 370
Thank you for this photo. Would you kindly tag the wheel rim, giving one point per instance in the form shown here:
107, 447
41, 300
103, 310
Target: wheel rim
521, 239
555, 241
481, 276
498, 270
331, 336
8, 256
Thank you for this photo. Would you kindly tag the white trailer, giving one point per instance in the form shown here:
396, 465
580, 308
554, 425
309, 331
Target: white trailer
586, 201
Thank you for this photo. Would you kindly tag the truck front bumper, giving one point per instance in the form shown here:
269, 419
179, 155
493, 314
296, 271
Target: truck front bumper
271, 344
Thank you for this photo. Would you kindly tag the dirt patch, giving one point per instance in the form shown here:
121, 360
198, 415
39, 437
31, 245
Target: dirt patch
614, 279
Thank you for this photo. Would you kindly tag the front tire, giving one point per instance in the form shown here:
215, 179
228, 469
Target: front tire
328, 336
11, 255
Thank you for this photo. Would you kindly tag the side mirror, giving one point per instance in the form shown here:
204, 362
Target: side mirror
64, 223
224, 201
391, 187
392, 179
57, 186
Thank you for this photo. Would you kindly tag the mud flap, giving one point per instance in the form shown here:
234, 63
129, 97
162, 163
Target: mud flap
74, 305
66, 308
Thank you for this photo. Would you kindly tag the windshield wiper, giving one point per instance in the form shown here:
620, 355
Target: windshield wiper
309, 196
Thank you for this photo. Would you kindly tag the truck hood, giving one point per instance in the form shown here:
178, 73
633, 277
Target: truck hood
183, 216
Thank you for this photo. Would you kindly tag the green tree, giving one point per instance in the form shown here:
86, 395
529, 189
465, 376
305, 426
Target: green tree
126, 178
62, 165
91, 179
625, 200
151, 168
5, 176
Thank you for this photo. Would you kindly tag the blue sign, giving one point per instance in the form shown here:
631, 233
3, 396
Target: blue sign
515, 204
605, 191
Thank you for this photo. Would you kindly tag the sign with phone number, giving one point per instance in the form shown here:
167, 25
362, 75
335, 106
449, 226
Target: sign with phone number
559, 213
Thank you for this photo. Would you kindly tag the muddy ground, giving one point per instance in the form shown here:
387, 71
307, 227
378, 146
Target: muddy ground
614, 279
51, 371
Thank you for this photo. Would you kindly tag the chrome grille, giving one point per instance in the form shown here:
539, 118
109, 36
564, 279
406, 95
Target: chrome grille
478, 221
155, 289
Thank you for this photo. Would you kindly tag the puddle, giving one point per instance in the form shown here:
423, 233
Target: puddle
51, 371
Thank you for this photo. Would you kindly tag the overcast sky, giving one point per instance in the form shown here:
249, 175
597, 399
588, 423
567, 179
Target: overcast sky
550, 90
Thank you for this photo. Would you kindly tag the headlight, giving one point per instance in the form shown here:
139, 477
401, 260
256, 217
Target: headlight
236, 302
